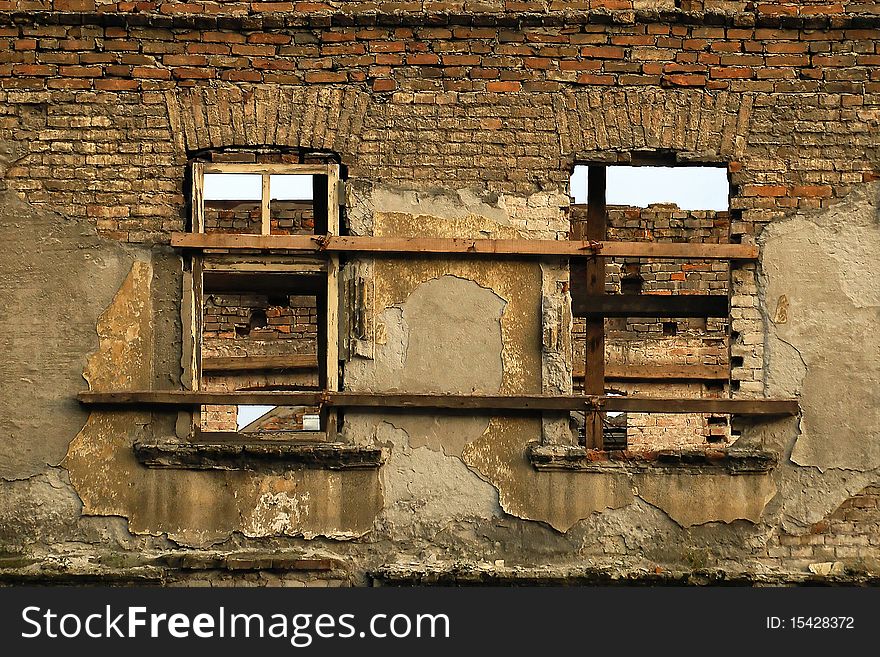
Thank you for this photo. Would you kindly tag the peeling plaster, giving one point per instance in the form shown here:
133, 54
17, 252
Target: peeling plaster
195, 508
699, 499
825, 265
560, 499
56, 275
424, 487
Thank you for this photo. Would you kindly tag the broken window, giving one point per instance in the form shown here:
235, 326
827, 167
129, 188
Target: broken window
267, 321
650, 326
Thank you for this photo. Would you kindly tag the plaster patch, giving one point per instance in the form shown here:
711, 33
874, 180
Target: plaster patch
560, 499
56, 276
423, 487
698, 499
824, 265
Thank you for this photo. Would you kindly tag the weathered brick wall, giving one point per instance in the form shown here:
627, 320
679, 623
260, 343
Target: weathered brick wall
231, 7
233, 317
851, 534
101, 113
230, 329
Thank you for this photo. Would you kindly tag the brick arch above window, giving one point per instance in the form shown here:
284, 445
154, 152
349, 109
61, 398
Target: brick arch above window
318, 118
707, 125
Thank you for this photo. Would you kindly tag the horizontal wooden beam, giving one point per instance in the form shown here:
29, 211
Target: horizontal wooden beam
242, 363
280, 169
461, 246
649, 305
618, 372
389, 401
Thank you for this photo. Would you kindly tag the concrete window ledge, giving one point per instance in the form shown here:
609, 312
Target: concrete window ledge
720, 461
262, 455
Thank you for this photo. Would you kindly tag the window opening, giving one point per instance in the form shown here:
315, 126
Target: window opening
623, 337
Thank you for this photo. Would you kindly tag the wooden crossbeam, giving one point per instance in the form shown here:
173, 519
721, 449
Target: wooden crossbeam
313, 244
389, 401
243, 363
617, 372
649, 305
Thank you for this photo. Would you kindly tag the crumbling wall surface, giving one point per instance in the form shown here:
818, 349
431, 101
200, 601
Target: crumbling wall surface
444, 128
55, 277
821, 291
110, 481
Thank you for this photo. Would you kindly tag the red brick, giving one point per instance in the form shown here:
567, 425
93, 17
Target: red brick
483, 73
731, 72
325, 77
151, 73
603, 52
820, 191
589, 78
184, 60
81, 71
116, 85
38, 70
538, 62
74, 5
504, 86
70, 83
242, 76
423, 59
384, 85
764, 190
192, 73
684, 80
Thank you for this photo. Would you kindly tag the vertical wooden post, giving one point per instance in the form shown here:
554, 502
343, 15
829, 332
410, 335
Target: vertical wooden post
332, 324
197, 200
594, 365
265, 210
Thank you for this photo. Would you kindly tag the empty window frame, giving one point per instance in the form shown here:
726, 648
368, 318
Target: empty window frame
265, 322
262, 199
676, 351
262, 331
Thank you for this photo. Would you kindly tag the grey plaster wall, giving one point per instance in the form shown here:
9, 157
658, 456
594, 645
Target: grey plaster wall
56, 277
820, 291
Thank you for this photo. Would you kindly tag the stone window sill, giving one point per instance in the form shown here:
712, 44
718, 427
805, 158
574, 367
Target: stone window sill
259, 455
720, 461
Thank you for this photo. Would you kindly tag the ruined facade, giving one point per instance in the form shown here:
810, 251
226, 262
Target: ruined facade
132, 340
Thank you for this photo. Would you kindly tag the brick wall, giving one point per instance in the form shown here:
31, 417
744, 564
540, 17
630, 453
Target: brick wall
851, 534
234, 326
250, 319
665, 341
286, 217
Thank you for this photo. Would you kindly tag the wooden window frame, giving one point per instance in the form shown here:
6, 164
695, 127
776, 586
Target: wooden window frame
329, 265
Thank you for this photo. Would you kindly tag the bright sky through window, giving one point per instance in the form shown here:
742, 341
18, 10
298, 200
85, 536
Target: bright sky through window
690, 188
248, 187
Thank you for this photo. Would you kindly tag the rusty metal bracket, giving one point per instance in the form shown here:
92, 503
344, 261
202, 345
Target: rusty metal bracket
322, 241
592, 246
594, 403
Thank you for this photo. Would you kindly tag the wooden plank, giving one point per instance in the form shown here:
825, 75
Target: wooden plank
242, 363
388, 401
594, 351
622, 372
243, 167
456, 245
650, 305
197, 199
265, 210
330, 419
